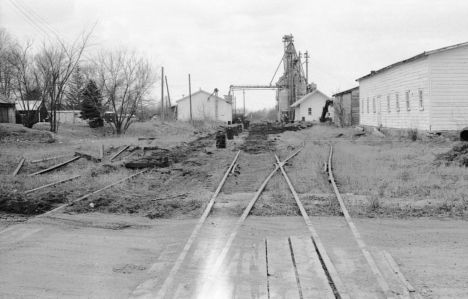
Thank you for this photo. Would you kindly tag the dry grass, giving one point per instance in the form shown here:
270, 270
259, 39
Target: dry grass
145, 192
401, 172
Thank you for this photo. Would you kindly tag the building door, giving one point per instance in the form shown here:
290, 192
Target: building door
4, 115
379, 111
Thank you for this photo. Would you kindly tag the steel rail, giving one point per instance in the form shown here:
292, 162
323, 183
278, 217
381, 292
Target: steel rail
18, 168
357, 236
50, 158
56, 166
92, 193
118, 153
144, 289
52, 184
222, 256
338, 283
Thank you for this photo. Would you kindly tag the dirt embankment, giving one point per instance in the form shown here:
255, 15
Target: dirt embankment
21, 134
150, 157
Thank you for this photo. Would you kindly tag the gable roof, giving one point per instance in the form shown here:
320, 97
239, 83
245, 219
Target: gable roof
4, 100
304, 98
345, 91
208, 94
27, 105
419, 56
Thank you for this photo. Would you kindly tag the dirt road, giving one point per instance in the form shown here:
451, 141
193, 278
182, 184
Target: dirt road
106, 256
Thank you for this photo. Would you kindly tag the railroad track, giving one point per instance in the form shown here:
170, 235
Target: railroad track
308, 258
314, 273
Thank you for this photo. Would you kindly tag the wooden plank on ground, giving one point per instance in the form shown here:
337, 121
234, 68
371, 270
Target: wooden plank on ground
313, 279
56, 166
281, 274
119, 152
18, 168
101, 152
246, 270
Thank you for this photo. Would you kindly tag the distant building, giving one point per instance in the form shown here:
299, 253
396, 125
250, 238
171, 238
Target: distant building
27, 107
69, 116
310, 106
205, 106
428, 91
7, 111
346, 107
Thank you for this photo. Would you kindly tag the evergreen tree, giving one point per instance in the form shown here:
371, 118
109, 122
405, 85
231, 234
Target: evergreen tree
91, 105
73, 98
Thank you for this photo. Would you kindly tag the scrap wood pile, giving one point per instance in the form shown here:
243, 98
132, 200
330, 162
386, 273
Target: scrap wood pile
257, 141
458, 155
161, 157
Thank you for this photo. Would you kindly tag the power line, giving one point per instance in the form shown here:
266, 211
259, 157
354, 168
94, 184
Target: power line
35, 15
29, 19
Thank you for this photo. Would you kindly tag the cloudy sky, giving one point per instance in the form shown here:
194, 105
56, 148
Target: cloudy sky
239, 41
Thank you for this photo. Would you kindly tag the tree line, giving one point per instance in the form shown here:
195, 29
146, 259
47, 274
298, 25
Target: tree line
57, 76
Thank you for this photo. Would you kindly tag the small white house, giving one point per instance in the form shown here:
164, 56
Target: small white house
69, 116
204, 106
428, 92
310, 106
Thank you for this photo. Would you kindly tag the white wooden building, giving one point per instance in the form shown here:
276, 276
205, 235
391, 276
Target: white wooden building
428, 92
205, 106
310, 106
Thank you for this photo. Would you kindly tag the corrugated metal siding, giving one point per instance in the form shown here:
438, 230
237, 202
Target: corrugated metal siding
355, 107
411, 76
449, 89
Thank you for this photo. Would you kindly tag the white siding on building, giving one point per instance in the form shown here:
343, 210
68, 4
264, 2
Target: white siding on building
204, 107
310, 107
449, 89
69, 116
436, 84
412, 76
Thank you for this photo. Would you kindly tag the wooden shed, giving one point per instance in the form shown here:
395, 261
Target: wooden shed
428, 91
346, 106
7, 111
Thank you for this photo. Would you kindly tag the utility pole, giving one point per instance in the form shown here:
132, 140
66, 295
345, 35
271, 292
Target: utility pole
162, 93
243, 94
306, 55
190, 95
169, 100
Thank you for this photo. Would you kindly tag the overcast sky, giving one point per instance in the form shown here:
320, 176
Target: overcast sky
239, 41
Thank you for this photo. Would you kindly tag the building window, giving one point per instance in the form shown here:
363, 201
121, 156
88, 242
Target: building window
407, 99
367, 105
388, 103
397, 102
309, 111
421, 99
373, 105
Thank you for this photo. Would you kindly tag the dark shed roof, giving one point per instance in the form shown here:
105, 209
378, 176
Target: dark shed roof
345, 91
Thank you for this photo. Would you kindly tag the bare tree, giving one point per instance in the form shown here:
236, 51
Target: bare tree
57, 63
124, 79
27, 83
7, 45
